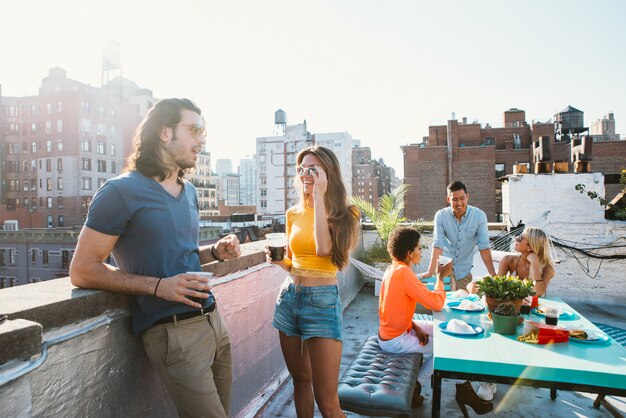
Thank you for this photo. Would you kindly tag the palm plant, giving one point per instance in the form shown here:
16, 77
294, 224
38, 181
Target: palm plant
389, 214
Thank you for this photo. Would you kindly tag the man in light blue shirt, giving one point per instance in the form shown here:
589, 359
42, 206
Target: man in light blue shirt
459, 229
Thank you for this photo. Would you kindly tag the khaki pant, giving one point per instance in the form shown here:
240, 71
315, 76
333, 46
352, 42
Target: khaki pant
456, 284
194, 361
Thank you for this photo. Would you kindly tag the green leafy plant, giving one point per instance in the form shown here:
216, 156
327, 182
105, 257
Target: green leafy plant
377, 253
505, 287
389, 214
506, 309
620, 213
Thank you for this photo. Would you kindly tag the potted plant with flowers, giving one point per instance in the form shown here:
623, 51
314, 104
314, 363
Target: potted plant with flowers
498, 289
505, 318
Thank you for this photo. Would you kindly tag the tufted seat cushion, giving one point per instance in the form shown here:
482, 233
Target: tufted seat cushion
377, 383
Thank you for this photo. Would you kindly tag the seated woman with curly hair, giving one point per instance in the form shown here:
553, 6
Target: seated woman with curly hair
401, 290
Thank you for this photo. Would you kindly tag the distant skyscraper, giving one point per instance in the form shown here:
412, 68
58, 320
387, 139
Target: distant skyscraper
223, 166
247, 181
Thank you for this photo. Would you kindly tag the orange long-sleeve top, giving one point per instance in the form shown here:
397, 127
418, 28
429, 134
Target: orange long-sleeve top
400, 291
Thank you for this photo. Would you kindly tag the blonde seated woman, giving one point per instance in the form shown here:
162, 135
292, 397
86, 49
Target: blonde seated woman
533, 262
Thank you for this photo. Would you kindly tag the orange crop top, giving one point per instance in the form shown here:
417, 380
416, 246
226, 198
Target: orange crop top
301, 236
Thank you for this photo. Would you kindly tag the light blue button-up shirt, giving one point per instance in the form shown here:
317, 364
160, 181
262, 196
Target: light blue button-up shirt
460, 239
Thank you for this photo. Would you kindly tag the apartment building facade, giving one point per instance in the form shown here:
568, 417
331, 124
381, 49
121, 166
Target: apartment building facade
58, 147
478, 155
371, 178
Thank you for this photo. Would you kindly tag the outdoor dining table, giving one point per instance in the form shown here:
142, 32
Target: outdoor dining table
489, 357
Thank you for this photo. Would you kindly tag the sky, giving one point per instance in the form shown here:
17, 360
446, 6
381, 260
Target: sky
381, 70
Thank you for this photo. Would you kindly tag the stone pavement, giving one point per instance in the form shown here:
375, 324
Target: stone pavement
361, 321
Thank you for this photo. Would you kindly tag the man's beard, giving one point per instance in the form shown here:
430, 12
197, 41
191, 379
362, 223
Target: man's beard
173, 149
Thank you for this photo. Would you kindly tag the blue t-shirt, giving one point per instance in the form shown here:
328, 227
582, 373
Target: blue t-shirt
460, 239
158, 235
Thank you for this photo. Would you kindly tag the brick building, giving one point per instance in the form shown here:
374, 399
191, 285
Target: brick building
58, 147
479, 155
371, 178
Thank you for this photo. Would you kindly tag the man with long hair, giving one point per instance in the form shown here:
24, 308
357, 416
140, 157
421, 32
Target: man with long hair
148, 219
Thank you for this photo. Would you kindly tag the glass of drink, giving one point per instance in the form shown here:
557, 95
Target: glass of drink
276, 243
209, 276
552, 314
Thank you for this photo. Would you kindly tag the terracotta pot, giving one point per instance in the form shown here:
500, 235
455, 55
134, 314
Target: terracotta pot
493, 303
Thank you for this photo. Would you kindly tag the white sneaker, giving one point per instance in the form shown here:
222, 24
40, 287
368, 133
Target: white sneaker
486, 391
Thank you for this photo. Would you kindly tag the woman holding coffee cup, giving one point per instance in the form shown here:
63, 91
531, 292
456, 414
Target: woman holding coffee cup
534, 261
321, 231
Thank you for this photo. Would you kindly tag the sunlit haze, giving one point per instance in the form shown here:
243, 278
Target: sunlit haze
381, 70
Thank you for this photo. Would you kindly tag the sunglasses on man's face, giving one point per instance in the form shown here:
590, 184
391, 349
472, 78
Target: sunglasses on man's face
197, 131
306, 171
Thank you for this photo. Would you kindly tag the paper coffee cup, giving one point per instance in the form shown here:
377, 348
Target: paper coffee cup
276, 243
209, 276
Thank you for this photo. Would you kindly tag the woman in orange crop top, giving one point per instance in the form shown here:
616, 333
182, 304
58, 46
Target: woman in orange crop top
321, 231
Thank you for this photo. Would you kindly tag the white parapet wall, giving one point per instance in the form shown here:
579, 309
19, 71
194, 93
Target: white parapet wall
551, 202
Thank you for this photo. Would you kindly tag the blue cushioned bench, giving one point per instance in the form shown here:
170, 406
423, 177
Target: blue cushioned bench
377, 383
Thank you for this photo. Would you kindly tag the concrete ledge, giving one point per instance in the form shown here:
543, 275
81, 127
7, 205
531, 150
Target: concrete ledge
252, 254
19, 339
56, 303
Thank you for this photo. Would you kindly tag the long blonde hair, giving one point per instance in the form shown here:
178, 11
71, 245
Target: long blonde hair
540, 244
343, 218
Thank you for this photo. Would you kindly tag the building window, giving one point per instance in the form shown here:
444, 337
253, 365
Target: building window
85, 145
49, 184
59, 125
113, 167
60, 165
12, 257
490, 141
263, 192
3, 263
48, 165
48, 127
517, 141
33, 184
59, 145
26, 185
59, 183
49, 202
33, 256
100, 148
65, 258
263, 203
85, 201
500, 170
87, 164
33, 128
45, 260
112, 148
33, 147
50, 221
61, 222
59, 107
86, 183
102, 166
85, 125
101, 181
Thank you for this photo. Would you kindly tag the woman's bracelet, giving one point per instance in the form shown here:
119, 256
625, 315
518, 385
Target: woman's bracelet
214, 254
157, 285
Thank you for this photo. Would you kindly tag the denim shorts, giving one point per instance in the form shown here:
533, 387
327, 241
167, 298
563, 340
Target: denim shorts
308, 311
